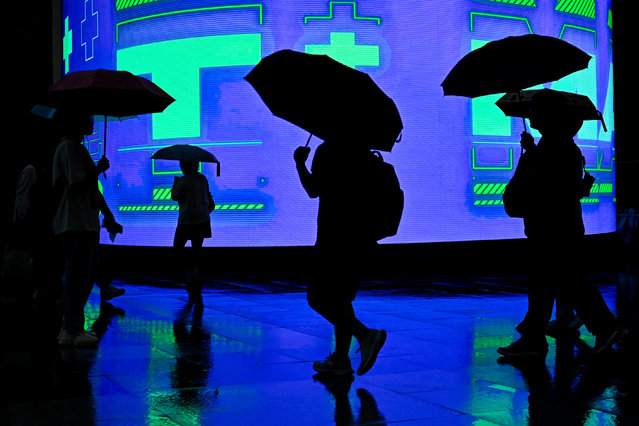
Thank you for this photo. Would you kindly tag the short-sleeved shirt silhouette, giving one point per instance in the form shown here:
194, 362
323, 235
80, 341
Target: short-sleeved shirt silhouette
191, 192
76, 208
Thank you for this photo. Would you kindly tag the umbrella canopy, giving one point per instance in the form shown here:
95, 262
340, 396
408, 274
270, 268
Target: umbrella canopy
326, 98
186, 153
104, 92
108, 93
512, 64
519, 104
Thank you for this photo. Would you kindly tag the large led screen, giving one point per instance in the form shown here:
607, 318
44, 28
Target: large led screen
455, 155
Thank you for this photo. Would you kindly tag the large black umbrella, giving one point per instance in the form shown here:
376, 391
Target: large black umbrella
326, 98
108, 93
519, 104
513, 64
185, 152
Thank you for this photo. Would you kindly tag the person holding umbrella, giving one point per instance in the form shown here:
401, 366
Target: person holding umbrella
342, 242
192, 193
552, 171
76, 222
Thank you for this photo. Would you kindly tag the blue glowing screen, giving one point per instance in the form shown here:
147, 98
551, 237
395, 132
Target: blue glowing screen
455, 156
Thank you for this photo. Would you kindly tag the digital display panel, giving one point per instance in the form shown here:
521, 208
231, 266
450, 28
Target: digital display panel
455, 156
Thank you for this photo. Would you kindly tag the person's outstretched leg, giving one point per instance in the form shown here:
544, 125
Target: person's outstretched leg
589, 304
542, 288
337, 314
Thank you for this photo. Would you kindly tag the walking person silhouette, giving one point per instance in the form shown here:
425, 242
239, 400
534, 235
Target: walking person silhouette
552, 171
192, 193
342, 243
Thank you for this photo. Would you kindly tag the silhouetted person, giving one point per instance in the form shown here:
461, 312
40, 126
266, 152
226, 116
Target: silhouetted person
343, 242
192, 193
76, 221
31, 230
555, 231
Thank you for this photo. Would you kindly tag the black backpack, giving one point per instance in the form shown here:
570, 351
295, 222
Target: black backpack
384, 197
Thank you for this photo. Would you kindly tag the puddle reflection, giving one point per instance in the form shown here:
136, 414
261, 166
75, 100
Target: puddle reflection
583, 390
339, 387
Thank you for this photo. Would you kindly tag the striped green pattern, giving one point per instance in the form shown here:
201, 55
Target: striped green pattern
585, 8
528, 3
489, 188
124, 4
175, 207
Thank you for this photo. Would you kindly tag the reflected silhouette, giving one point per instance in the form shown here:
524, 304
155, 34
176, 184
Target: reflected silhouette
339, 388
193, 363
580, 384
74, 387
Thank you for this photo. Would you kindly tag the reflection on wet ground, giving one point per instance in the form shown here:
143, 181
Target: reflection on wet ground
246, 357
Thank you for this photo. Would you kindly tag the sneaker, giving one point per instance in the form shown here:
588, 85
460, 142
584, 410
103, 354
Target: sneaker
523, 348
606, 339
370, 347
110, 292
333, 366
81, 338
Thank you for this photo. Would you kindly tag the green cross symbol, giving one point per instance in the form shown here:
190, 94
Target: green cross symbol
67, 44
343, 49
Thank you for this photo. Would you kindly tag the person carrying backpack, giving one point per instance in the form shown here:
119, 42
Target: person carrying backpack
344, 239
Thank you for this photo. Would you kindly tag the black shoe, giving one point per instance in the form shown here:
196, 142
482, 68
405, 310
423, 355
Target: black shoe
370, 347
331, 365
524, 348
606, 339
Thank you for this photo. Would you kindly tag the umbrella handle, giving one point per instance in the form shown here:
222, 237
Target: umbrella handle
309, 139
218, 169
603, 123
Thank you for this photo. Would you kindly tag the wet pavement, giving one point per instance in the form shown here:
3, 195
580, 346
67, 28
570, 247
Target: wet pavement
246, 359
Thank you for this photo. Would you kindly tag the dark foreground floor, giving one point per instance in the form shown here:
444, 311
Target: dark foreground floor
246, 359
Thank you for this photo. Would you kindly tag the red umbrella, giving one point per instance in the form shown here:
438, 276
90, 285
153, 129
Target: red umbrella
108, 93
